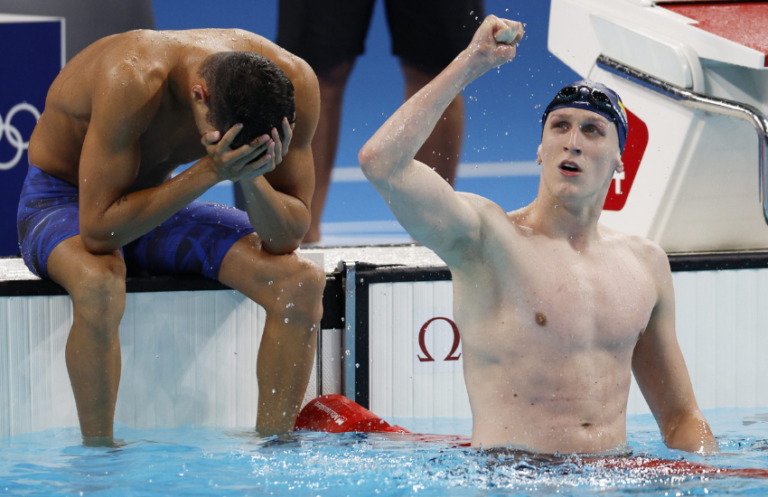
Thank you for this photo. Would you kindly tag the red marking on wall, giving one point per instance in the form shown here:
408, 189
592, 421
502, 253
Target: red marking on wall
745, 23
637, 141
423, 345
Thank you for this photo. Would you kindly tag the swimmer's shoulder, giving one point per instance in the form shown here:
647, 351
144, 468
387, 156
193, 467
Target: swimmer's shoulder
134, 57
653, 258
488, 211
495, 223
123, 62
481, 205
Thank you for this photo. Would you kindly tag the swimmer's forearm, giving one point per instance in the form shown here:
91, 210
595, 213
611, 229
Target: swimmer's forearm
691, 433
396, 143
280, 220
135, 214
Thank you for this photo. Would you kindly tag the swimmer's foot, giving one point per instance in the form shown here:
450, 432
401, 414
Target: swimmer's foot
276, 440
109, 442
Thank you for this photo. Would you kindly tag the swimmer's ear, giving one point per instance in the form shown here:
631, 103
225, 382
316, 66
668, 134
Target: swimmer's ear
620, 165
200, 95
538, 154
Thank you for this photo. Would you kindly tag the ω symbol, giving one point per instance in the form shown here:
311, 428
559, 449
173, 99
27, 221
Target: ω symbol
13, 134
423, 344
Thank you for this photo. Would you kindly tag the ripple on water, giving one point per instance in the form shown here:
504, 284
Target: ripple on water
201, 461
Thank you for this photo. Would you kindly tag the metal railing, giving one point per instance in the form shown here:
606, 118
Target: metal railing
706, 103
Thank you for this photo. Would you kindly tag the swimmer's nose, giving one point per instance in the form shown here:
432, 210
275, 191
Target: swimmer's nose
573, 143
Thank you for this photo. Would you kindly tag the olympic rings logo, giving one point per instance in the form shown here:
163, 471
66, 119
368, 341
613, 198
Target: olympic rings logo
13, 134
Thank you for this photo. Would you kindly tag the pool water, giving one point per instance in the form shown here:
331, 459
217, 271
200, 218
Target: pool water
202, 461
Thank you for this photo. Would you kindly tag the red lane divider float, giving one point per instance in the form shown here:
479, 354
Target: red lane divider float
338, 414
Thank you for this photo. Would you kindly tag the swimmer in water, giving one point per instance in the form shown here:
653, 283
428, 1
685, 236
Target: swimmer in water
555, 310
100, 199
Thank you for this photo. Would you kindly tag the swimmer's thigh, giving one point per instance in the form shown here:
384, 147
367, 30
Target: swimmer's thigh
325, 33
429, 34
96, 282
218, 242
48, 214
195, 240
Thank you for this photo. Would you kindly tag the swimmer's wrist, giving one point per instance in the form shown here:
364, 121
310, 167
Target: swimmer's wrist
468, 67
473, 64
206, 169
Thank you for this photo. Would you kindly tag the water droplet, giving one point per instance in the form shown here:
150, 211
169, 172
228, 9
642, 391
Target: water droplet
286, 320
271, 282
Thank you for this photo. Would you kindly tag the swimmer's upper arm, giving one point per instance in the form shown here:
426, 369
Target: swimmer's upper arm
295, 175
429, 209
659, 367
123, 103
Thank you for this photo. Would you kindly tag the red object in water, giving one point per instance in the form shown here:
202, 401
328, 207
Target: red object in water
668, 467
338, 414
745, 23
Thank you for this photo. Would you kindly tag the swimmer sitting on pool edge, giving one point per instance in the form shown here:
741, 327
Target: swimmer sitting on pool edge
555, 310
100, 201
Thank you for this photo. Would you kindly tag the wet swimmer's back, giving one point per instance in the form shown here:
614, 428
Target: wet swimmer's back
554, 309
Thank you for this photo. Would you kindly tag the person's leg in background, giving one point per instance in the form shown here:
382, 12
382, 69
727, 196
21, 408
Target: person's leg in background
332, 82
427, 35
329, 35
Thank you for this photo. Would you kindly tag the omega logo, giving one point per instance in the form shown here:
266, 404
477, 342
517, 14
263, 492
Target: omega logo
13, 134
423, 345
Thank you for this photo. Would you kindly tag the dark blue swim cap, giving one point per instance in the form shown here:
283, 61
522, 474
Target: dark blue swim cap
594, 97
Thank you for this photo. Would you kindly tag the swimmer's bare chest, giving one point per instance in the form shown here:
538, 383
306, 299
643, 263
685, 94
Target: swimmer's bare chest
544, 293
548, 333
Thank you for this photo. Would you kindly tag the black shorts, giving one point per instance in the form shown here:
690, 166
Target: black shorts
426, 34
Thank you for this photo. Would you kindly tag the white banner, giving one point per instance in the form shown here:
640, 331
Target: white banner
436, 338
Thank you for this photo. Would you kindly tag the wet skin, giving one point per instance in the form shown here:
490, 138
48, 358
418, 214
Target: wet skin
554, 309
119, 118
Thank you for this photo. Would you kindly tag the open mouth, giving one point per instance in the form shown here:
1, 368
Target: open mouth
569, 168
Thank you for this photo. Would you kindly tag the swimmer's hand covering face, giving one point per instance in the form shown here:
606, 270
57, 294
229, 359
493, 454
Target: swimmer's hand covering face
249, 160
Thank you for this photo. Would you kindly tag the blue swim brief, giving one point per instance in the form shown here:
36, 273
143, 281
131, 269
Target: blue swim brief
194, 240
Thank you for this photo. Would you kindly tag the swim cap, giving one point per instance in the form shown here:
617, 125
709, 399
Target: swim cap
594, 97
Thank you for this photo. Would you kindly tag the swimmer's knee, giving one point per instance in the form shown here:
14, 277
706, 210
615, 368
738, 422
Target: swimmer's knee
100, 288
307, 281
299, 291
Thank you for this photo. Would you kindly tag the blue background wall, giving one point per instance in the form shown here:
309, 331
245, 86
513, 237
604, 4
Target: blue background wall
29, 62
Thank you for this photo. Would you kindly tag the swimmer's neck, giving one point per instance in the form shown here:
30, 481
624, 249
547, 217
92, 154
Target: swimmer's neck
550, 216
183, 76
